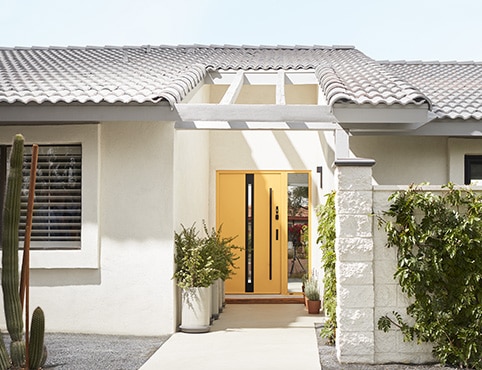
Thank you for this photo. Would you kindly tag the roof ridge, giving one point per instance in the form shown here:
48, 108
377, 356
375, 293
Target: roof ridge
181, 46
414, 62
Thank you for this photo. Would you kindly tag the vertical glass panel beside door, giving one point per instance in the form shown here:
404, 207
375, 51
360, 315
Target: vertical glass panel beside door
298, 226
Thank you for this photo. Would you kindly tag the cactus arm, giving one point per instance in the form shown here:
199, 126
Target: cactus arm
11, 219
4, 357
17, 353
36, 343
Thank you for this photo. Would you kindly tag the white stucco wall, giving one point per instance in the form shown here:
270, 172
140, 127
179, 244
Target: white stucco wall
404, 159
457, 149
130, 291
191, 187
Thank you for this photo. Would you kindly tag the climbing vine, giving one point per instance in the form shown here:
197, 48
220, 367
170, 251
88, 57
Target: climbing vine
326, 238
439, 242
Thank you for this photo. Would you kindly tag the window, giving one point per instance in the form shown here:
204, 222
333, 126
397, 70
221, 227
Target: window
57, 217
473, 170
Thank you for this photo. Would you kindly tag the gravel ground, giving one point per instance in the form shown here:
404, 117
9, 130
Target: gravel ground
92, 352
110, 352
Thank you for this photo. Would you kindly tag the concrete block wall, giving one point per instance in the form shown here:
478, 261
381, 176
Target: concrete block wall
355, 340
366, 289
390, 347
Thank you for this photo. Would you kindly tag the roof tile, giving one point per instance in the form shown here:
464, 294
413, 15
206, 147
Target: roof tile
455, 88
141, 74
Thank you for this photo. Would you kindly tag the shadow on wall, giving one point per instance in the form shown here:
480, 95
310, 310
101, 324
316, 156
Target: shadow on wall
65, 277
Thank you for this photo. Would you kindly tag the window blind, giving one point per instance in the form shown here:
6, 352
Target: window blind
57, 216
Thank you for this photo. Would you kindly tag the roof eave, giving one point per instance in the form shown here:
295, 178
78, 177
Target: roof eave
69, 113
382, 118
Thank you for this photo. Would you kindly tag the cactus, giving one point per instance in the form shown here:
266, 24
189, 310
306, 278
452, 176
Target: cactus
36, 343
10, 273
11, 220
17, 353
4, 357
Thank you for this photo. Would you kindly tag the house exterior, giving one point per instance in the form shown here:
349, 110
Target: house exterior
159, 136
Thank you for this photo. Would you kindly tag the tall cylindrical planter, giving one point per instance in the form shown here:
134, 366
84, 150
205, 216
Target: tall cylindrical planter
223, 293
196, 310
220, 295
215, 300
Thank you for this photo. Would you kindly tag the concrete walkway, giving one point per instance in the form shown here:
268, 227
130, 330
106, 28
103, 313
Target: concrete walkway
246, 336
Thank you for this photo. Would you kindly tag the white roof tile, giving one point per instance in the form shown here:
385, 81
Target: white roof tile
153, 73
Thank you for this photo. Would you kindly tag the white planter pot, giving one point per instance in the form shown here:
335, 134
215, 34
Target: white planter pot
220, 295
215, 300
223, 293
196, 310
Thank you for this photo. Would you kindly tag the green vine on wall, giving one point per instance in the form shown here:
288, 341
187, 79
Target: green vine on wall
439, 266
326, 237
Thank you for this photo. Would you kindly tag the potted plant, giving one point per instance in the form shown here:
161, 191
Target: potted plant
199, 263
195, 272
222, 252
312, 294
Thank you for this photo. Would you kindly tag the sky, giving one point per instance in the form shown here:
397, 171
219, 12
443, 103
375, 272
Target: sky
443, 30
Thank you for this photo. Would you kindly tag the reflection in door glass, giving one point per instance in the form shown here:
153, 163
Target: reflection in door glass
297, 230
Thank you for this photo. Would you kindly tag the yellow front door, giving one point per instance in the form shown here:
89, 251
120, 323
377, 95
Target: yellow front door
252, 205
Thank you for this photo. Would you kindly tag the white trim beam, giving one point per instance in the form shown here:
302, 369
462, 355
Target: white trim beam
381, 118
255, 112
85, 113
234, 89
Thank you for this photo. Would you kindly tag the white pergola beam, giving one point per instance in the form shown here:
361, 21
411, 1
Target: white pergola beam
255, 112
233, 90
280, 88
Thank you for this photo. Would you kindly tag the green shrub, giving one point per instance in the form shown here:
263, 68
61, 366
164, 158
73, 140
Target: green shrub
326, 237
222, 251
202, 260
439, 242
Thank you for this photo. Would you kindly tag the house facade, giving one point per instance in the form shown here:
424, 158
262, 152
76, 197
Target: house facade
139, 140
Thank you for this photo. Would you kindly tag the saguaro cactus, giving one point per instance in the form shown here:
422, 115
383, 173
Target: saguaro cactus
10, 269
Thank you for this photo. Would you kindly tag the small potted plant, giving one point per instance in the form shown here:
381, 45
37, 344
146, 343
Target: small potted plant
312, 294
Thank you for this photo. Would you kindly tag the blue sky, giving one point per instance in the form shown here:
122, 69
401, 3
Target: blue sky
383, 29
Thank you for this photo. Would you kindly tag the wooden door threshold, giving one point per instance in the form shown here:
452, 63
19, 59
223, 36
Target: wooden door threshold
258, 298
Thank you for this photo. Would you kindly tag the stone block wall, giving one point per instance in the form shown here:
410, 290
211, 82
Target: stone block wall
354, 266
365, 268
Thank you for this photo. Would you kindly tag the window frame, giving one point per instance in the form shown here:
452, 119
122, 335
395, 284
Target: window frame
469, 160
88, 136
51, 232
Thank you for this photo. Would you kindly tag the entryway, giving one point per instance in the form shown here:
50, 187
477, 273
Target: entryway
268, 211
247, 336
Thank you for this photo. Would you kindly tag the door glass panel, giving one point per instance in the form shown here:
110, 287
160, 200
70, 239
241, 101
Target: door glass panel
249, 233
298, 211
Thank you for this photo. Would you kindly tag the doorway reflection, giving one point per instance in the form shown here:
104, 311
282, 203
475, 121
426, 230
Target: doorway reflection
298, 243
